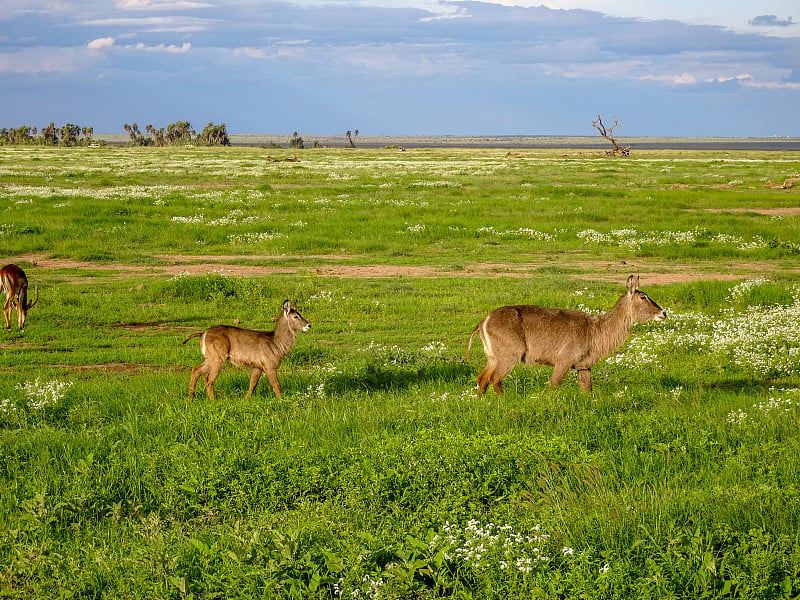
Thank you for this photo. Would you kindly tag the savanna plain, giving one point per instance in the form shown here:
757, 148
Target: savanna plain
380, 473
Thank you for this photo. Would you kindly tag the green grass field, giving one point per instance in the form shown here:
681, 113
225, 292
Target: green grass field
381, 474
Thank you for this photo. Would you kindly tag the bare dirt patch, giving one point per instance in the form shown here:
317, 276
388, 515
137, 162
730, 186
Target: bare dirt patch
787, 210
193, 258
676, 277
652, 272
376, 271
788, 183
151, 326
116, 367
686, 186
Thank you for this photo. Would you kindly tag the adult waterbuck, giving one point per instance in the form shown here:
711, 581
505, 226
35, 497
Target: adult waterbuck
263, 351
561, 338
14, 284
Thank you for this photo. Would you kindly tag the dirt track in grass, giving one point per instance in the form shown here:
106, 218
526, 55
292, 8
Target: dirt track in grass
651, 272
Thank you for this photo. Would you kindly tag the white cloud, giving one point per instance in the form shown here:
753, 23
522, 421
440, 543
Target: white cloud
772, 85
11, 8
160, 4
618, 70
724, 79
170, 49
157, 24
101, 43
433, 6
481, 61
735, 15
698, 68
250, 52
43, 59
674, 79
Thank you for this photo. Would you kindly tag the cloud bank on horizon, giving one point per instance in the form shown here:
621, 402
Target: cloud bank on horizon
461, 67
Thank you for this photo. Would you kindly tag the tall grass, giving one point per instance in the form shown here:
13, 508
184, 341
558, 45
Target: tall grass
381, 473
440, 203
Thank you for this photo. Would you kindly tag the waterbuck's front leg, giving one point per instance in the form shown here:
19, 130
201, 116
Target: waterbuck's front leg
254, 377
272, 375
560, 371
585, 379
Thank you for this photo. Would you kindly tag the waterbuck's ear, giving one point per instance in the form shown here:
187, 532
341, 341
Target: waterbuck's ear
633, 284
287, 306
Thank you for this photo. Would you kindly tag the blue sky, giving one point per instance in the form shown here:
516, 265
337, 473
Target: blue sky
408, 67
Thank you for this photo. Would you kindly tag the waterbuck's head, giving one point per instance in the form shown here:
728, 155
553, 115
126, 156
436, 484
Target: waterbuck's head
641, 307
294, 319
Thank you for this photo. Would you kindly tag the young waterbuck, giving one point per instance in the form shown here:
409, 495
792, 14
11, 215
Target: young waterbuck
564, 339
14, 284
263, 351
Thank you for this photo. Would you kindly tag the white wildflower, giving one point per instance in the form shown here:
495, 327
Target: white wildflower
44, 393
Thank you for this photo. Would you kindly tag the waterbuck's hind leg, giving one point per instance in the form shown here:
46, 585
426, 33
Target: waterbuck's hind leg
485, 376
504, 366
210, 371
198, 370
7, 311
211, 377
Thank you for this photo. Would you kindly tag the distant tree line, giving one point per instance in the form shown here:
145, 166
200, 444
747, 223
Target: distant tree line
174, 134
296, 143
68, 135
178, 133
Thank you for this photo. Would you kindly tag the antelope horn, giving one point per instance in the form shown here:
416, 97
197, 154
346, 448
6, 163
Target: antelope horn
36, 298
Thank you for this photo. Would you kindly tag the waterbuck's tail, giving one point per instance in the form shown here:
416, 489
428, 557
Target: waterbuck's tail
194, 335
471, 337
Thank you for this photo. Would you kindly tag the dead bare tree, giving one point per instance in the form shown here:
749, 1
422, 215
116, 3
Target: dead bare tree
607, 133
